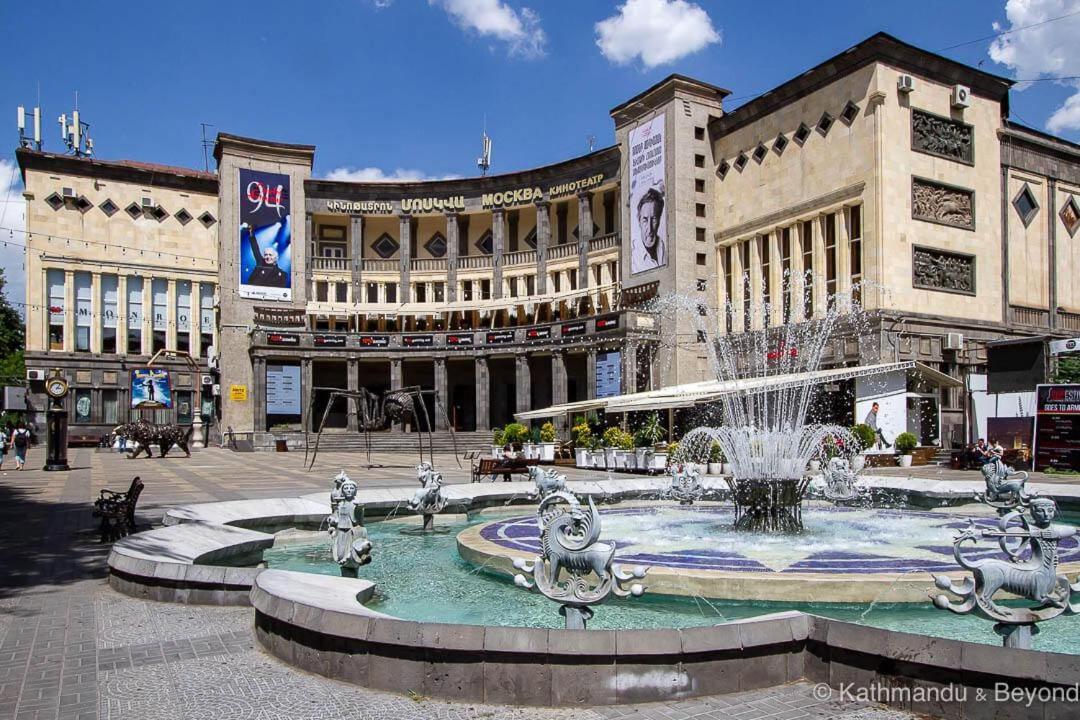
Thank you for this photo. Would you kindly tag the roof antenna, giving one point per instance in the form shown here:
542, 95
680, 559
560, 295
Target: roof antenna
205, 146
484, 161
590, 140
76, 135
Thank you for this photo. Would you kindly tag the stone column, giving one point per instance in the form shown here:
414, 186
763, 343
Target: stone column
170, 316
585, 223
148, 316
630, 349
354, 385
356, 251
309, 289
258, 395
543, 241
820, 302
843, 252
776, 278
395, 373
798, 287
756, 294
405, 253
558, 390
442, 397
590, 375
498, 247
452, 241
70, 310
483, 412
121, 315
306, 394
522, 383
95, 314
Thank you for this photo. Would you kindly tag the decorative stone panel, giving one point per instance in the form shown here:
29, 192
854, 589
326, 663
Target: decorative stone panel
1070, 215
943, 204
934, 269
936, 135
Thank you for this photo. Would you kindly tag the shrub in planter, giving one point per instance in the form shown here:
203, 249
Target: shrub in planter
516, 434
547, 432
581, 434
865, 435
497, 436
651, 433
612, 437
906, 443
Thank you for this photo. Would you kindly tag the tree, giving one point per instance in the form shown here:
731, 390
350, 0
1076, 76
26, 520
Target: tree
12, 339
1068, 369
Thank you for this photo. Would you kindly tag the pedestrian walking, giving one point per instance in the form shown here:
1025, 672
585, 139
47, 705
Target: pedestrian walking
20, 439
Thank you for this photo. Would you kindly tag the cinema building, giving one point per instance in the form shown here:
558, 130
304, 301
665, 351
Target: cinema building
885, 165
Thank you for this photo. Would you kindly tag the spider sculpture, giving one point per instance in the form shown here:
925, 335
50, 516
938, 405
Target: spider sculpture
380, 412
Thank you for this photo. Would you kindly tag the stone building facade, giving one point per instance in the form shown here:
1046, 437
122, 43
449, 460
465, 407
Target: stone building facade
519, 291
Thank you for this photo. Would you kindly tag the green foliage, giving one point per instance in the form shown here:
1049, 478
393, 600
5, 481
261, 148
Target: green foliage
829, 448
672, 450
497, 436
1068, 370
547, 432
581, 434
864, 434
534, 435
650, 433
12, 340
515, 433
906, 443
615, 437
716, 453
12, 368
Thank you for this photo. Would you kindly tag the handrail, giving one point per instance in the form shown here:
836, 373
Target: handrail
556, 252
474, 262
522, 257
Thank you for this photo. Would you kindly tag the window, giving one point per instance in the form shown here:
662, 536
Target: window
699, 161
779, 144
801, 134
699, 209
341, 292
55, 281
830, 255
485, 289
699, 133
825, 124
183, 315
785, 269
722, 169
372, 293
385, 246
699, 185
83, 405
391, 292
702, 284
530, 284
856, 252
808, 267
729, 284
1027, 207
1070, 215
420, 292
331, 250
740, 162
512, 284
701, 337
83, 288
701, 259
467, 291
109, 293
439, 291
134, 315
699, 233
572, 275
555, 282
744, 260
110, 407
159, 297
850, 112
206, 318
760, 152
321, 290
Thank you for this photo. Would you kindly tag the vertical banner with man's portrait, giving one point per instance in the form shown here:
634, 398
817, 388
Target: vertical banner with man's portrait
648, 231
265, 236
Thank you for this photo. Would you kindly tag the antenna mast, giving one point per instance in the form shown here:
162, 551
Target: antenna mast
205, 146
28, 141
484, 161
76, 135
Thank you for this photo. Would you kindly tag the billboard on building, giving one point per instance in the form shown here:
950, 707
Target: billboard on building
608, 374
648, 197
282, 389
1057, 427
150, 388
265, 236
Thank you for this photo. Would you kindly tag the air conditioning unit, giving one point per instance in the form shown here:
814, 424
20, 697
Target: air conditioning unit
148, 203
35, 374
961, 96
905, 83
68, 193
954, 341
207, 380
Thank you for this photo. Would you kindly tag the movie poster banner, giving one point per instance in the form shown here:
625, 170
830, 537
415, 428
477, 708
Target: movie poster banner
150, 389
1057, 427
648, 231
265, 236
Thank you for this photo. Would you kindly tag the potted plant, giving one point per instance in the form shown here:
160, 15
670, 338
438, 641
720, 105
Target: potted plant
612, 440
547, 442
864, 434
716, 458
531, 443
905, 445
599, 457
648, 437
497, 442
625, 458
516, 434
672, 455
581, 437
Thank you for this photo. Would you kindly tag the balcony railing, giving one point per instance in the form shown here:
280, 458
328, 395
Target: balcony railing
603, 242
557, 252
1029, 316
428, 265
474, 262
523, 257
373, 265
330, 264
1069, 321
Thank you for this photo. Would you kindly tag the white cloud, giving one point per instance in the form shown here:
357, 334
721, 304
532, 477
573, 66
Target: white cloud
374, 174
12, 222
1050, 50
519, 29
657, 31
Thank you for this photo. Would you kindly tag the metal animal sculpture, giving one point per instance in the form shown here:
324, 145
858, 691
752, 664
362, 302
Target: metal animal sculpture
685, 485
547, 481
146, 433
380, 412
1005, 487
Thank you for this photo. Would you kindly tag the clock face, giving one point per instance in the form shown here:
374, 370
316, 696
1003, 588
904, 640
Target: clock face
57, 387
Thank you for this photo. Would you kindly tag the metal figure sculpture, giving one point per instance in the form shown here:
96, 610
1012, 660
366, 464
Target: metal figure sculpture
1005, 487
428, 500
840, 481
335, 494
381, 412
547, 481
685, 485
569, 544
349, 542
146, 433
1033, 578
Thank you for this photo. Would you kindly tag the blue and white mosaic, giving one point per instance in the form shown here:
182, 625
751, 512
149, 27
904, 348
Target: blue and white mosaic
836, 540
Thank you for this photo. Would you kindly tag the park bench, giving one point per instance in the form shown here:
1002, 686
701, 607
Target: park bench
117, 511
496, 466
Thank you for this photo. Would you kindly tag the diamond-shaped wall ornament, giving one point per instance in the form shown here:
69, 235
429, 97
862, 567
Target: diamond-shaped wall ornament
760, 152
802, 133
595, 231
182, 216
779, 144
486, 243
436, 246
82, 204
134, 210
207, 219
55, 201
530, 239
849, 113
385, 246
722, 169
158, 213
1070, 215
108, 207
825, 123
1027, 207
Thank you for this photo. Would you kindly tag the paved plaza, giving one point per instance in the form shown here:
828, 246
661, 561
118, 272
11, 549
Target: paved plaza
71, 647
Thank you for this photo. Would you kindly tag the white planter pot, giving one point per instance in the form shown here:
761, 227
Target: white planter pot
547, 452
532, 452
622, 459
659, 461
496, 451
582, 457
609, 458
858, 462
641, 458
598, 459
905, 461
725, 468
815, 466
715, 468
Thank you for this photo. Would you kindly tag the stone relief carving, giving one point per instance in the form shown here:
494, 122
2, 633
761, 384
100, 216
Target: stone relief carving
941, 136
939, 270
942, 204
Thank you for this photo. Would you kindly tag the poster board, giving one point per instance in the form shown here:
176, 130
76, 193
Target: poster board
265, 236
1057, 427
648, 197
282, 389
151, 388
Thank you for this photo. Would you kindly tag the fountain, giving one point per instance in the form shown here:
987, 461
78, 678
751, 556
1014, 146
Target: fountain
685, 485
349, 541
428, 500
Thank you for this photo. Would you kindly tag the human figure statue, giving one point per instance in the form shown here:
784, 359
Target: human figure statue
348, 538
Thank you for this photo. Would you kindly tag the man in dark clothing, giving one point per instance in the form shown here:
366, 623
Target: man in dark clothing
266, 272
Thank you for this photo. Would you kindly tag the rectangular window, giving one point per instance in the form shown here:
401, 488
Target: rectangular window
808, 267
744, 260
83, 307
466, 291
83, 406
785, 269
206, 318
699, 234
699, 209
159, 298
555, 277
55, 281
183, 315
485, 289
439, 291
699, 185
135, 315
765, 275
830, 255
572, 275
391, 292
341, 292
530, 284
321, 291
110, 286
699, 161
856, 253
512, 284
420, 292
110, 407
701, 259
372, 293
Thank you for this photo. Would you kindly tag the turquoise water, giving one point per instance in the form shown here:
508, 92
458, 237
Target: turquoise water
422, 577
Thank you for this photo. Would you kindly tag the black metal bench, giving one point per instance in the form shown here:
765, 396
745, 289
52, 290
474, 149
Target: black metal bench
117, 511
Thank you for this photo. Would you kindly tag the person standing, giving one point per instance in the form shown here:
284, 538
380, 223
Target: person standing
3, 445
20, 439
872, 421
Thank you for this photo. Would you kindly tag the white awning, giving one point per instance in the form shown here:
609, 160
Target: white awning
558, 410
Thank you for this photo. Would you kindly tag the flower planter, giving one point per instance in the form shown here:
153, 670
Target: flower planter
658, 461
905, 461
532, 452
582, 457
496, 451
598, 459
641, 458
715, 468
725, 468
609, 458
547, 451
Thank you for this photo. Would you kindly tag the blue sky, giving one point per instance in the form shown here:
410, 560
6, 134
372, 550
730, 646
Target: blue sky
403, 87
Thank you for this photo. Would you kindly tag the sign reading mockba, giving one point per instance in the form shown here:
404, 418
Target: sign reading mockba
328, 340
573, 328
379, 341
538, 333
285, 339
500, 337
417, 340
1057, 427
466, 339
